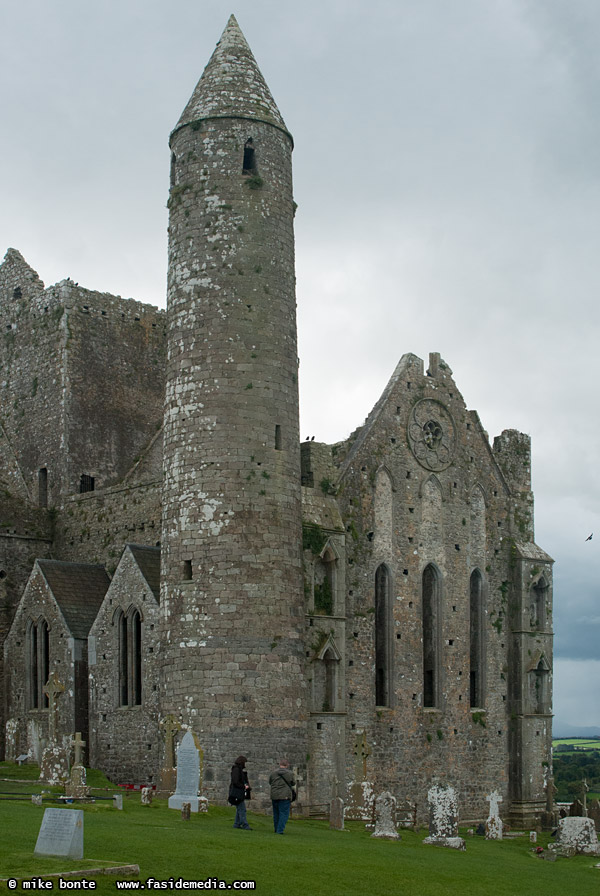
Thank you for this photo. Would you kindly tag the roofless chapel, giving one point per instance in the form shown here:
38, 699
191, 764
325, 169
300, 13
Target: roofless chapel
375, 610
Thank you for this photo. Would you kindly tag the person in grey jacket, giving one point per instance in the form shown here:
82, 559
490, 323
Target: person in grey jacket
282, 784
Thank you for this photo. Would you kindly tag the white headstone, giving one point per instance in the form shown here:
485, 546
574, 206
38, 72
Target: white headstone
385, 817
576, 835
493, 825
188, 775
443, 817
61, 834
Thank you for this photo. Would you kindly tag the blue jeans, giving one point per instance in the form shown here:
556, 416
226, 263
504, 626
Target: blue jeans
240, 816
281, 813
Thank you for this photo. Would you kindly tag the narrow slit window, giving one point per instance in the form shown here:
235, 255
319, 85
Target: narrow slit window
187, 571
382, 637
277, 437
431, 628
476, 640
249, 165
43, 487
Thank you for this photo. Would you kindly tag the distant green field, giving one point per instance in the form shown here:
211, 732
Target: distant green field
576, 759
578, 743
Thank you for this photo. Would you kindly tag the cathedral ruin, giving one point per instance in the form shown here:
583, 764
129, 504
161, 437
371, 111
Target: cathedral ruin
375, 610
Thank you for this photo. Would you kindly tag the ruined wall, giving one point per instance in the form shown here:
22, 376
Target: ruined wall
124, 739
419, 488
32, 409
81, 381
115, 378
94, 527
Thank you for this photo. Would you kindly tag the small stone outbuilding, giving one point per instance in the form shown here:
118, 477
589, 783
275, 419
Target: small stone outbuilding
49, 634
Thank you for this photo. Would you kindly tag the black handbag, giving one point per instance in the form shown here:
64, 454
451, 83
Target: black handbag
236, 795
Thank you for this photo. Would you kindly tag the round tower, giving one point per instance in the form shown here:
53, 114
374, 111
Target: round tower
232, 602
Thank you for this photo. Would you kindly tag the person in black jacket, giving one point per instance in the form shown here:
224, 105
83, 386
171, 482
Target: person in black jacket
239, 792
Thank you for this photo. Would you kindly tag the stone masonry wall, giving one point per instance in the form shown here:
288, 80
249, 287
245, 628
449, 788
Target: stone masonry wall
124, 740
94, 527
449, 506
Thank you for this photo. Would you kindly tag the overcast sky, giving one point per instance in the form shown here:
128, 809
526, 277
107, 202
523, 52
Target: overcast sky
446, 168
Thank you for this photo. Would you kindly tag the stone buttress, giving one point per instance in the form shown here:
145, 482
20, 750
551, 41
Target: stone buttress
232, 600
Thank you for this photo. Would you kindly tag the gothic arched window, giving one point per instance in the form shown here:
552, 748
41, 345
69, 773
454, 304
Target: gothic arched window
431, 609
38, 662
129, 634
476, 640
383, 670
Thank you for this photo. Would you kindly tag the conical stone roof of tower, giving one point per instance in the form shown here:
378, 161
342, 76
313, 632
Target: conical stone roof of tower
232, 85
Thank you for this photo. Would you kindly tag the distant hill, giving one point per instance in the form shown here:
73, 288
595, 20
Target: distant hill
561, 729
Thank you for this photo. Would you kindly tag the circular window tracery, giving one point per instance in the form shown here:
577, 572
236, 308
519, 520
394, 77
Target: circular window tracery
431, 434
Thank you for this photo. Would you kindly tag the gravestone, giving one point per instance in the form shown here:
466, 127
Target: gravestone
550, 816
385, 817
493, 825
77, 787
533, 836
361, 798
576, 835
336, 814
443, 817
594, 813
54, 764
185, 812
36, 799
576, 809
170, 725
117, 800
146, 795
61, 834
406, 814
188, 775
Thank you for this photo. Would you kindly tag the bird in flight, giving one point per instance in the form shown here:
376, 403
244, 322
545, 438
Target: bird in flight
589, 538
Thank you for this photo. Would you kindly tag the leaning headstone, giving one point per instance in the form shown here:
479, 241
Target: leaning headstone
493, 825
61, 834
443, 817
336, 814
146, 795
385, 817
576, 835
188, 775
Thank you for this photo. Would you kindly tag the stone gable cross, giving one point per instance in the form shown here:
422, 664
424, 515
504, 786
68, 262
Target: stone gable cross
53, 689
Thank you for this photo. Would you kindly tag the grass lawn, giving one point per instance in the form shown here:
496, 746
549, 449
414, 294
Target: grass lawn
309, 859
